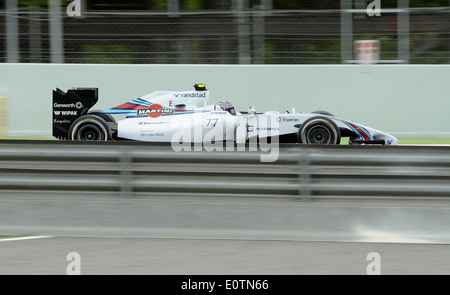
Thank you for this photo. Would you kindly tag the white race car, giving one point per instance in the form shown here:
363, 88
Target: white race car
184, 116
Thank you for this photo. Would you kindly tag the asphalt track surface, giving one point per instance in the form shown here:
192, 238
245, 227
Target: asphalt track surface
153, 256
148, 256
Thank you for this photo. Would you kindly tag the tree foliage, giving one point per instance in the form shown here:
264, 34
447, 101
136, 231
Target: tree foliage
214, 4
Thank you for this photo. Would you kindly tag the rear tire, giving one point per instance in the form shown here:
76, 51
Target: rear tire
106, 117
91, 128
319, 130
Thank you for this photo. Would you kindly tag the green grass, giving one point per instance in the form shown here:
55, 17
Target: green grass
344, 140
424, 140
30, 138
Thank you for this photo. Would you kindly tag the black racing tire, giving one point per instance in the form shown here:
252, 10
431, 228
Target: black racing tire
106, 117
323, 113
319, 130
90, 128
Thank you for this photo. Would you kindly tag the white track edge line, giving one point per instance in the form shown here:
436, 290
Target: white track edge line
23, 238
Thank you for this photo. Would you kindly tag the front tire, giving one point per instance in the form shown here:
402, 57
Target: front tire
91, 128
319, 130
323, 113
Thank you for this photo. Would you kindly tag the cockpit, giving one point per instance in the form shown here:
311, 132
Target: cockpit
227, 106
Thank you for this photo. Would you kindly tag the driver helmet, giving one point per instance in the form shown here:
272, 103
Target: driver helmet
227, 106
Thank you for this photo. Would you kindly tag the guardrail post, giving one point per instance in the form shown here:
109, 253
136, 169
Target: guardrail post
126, 174
304, 175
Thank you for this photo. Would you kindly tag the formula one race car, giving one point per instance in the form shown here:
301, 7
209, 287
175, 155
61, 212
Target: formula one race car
169, 116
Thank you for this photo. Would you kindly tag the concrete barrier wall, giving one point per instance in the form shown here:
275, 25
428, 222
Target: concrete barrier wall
406, 100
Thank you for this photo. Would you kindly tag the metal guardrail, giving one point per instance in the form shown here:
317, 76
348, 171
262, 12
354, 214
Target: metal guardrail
130, 169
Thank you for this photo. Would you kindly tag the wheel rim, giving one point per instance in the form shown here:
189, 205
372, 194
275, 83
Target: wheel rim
319, 135
89, 132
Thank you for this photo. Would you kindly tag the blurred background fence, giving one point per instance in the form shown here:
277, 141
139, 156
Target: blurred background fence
222, 32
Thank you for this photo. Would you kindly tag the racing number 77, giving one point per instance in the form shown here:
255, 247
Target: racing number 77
211, 122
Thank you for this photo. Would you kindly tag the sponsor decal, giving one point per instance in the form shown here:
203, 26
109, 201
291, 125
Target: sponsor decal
152, 123
154, 111
56, 121
77, 105
191, 94
267, 128
66, 113
283, 119
151, 133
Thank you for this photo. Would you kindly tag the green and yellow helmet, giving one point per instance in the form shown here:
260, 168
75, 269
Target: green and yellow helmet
200, 87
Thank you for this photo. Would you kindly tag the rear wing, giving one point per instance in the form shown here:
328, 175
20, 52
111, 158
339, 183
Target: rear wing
69, 106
